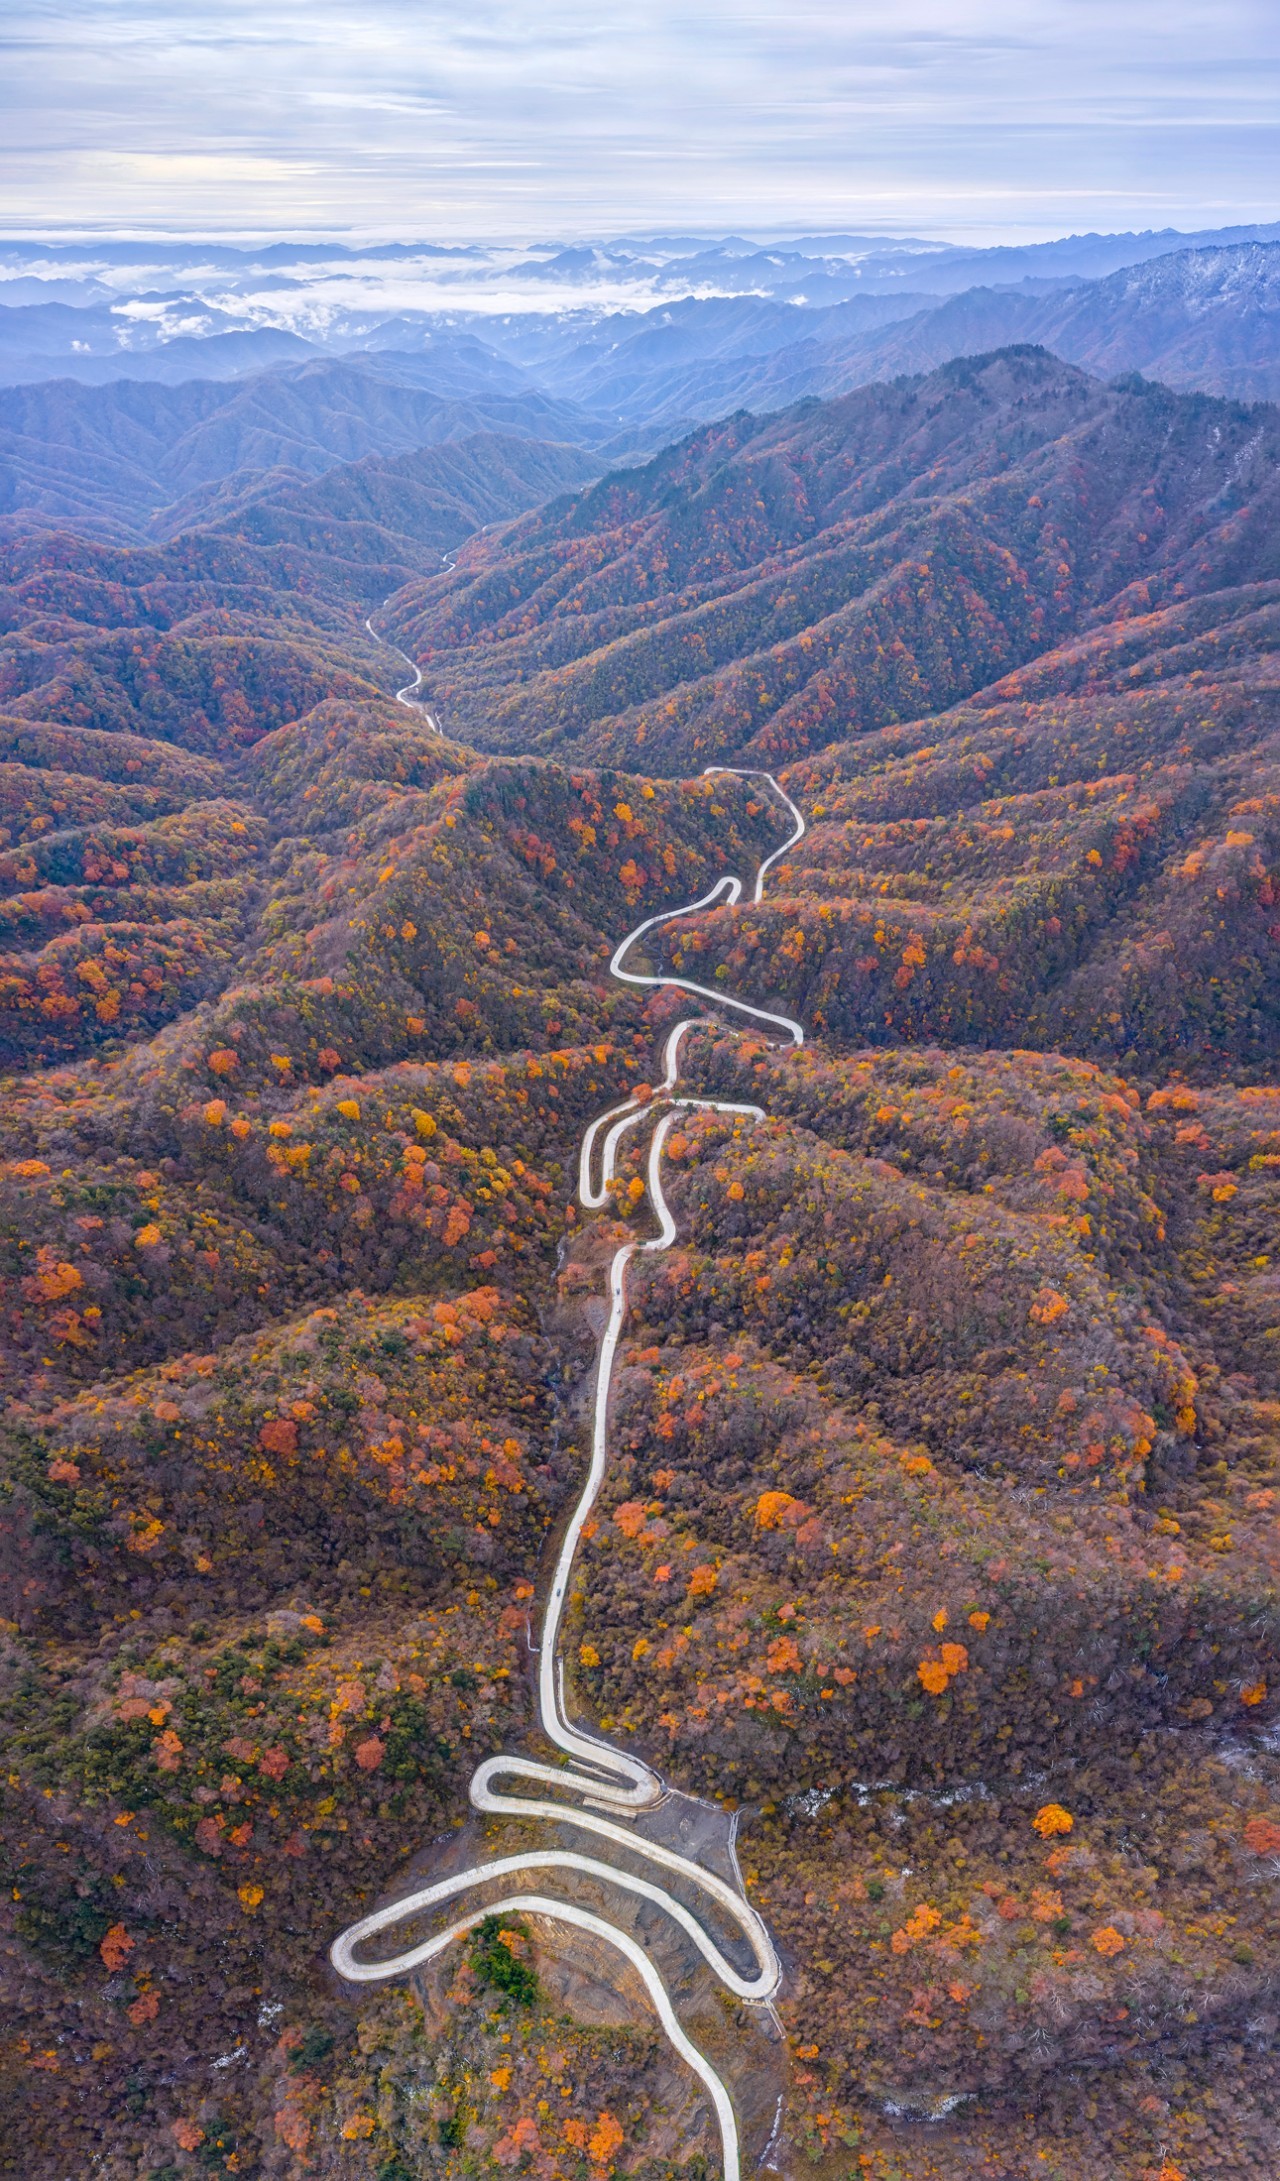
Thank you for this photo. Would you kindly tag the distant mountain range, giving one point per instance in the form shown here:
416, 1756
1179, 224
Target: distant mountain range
98, 304
1206, 319
1202, 319
132, 460
216, 415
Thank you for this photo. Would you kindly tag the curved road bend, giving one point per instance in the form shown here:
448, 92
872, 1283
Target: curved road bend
607, 1779
409, 694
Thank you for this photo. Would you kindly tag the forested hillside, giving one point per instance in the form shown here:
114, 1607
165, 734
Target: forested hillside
941, 1532
129, 461
1085, 859
769, 586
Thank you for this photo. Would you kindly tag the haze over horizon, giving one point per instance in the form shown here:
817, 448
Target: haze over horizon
964, 121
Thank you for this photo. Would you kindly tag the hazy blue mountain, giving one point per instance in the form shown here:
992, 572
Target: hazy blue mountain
432, 498
66, 310
1202, 319
944, 269
94, 341
1198, 319
109, 460
215, 416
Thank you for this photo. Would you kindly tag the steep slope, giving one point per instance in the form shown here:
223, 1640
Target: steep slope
1202, 318
878, 1554
233, 627
767, 587
206, 643
136, 457
345, 1003
1085, 859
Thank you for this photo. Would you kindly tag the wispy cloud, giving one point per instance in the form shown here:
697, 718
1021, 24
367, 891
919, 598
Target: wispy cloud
962, 116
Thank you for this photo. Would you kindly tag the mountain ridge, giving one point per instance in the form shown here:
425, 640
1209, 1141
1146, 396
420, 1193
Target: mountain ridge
768, 578
124, 458
112, 459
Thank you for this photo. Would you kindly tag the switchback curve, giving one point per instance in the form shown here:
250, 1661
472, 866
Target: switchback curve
606, 1778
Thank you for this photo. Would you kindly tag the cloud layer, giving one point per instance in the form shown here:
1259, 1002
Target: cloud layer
968, 117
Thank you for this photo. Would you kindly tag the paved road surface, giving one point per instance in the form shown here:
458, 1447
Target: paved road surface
608, 1779
409, 694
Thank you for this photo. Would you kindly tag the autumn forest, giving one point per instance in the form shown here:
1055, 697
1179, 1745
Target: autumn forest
936, 1562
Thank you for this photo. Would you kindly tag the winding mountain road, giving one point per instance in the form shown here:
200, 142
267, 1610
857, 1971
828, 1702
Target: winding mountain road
605, 1778
408, 695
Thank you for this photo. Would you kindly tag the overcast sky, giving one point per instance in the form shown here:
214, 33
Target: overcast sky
971, 118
